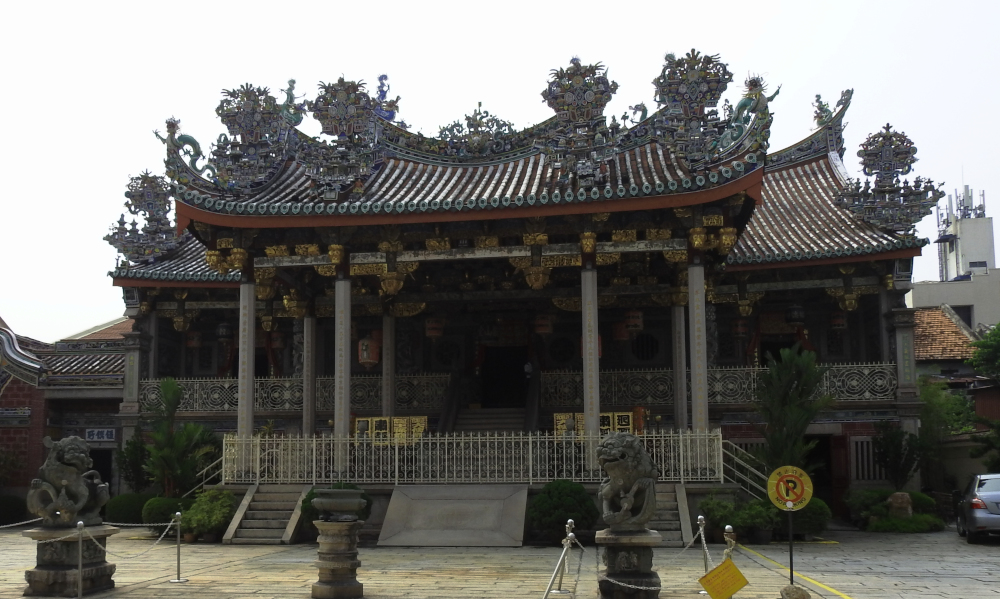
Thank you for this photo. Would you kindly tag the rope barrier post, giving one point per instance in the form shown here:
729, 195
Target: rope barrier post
79, 559
704, 546
791, 544
177, 518
567, 544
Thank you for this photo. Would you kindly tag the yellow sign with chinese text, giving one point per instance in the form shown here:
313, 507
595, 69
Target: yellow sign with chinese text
724, 581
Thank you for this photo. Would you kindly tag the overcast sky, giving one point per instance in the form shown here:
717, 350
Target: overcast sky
85, 84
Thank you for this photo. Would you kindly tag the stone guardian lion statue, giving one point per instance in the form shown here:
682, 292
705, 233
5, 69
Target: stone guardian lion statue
628, 494
67, 490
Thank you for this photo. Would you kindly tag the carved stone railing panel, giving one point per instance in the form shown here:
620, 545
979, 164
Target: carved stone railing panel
414, 392
278, 394
198, 395
460, 458
627, 388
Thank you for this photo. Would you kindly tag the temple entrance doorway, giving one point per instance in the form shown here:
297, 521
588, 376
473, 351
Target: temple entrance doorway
502, 377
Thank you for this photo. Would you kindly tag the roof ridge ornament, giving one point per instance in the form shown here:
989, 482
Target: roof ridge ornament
148, 195
258, 132
483, 133
889, 205
183, 145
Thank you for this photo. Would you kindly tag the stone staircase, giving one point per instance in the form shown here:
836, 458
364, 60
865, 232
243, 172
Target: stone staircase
267, 517
490, 419
667, 519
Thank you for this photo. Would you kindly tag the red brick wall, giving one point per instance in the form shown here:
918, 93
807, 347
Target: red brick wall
859, 429
739, 431
25, 441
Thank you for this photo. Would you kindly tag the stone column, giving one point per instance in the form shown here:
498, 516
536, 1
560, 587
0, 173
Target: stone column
699, 347
154, 342
884, 310
308, 376
591, 351
680, 368
246, 349
342, 367
388, 365
128, 410
907, 393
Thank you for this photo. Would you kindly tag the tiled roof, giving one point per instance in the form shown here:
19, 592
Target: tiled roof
409, 186
186, 263
799, 219
109, 330
85, 364
937, 336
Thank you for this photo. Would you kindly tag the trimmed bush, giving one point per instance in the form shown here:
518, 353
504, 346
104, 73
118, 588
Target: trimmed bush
756, 515
559, 501
718, 512
162, 509
210, 513
870, 505
923, 503
810, 520
915, 524
309, 513
127, 507
12, 509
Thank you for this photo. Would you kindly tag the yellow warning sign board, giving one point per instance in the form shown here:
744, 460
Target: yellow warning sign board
789, 488
724, 581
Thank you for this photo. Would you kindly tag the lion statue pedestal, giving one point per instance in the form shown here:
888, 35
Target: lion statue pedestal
68, 492
628, 498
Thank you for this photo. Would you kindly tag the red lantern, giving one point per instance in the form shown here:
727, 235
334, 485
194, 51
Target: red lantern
838, 320
368, 352
619, 332
543, 324
740, 328
434, 327
633, 321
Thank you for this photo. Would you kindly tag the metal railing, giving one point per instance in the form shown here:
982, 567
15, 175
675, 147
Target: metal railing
422, 392
728, 385
742, 468
458, 458
210, 472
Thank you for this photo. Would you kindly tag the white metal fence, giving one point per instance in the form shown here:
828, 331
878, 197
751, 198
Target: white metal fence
456, 459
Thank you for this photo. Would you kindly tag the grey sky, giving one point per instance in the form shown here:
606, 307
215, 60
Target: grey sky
85, 84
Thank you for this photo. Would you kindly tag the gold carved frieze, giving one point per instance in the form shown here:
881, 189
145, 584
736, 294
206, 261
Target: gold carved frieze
361, 270
537, 277
276, 251
336, 253
262, 275
391, 246
647, 280
327, 270
682, 212
536, 239
520, 262
621, 235
574, 304
657, 234
307, 249
606, 259
600, 217
712, 220
406, 309
588, 242
486, 241
620, 281
391, 283
224, 243
675, 255
438, 244
560, 261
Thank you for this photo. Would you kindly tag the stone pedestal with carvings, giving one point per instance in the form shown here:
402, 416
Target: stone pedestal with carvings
338, 560
56, 570
628, 557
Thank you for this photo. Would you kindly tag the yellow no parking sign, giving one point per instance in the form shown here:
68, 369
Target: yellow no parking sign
789, 488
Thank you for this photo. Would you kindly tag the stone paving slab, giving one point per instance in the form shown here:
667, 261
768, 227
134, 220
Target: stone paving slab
858, 566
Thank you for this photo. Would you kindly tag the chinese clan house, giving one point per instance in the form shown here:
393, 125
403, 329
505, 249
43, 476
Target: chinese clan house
589, 273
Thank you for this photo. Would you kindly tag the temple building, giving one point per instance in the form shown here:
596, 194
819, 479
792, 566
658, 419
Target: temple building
582, 275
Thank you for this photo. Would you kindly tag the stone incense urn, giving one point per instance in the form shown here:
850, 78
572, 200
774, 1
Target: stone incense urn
338, 543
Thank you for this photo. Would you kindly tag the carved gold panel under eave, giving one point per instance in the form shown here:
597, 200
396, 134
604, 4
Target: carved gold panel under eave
712, 220
336, 253
264, 292
439, 244
224, 243
275, 251
391, 282
682, 212
623, 235
215, 261
360, 310
727, 239
606, 259
657, 234
327, 270
647, 280
600, 217
262, 275
307, 249
588, 242
536, 239
675, 255
889, 282
573, 304
237, 258
486, 241
406, 309
620, 281
361, 270
537, 276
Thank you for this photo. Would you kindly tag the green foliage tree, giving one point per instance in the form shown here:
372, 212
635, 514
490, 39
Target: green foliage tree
897, 452
942, 415
788, 400
176, 455
986, 357
988, 443
131, 459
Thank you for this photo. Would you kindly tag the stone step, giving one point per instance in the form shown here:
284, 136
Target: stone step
239, 541
251, 524
289, 488
666, 505
285, 515
665, 496
272, 506
669, 535
664, 525
272, 497
259, 533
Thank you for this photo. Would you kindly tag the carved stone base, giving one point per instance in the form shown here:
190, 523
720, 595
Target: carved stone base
55, 573
338, 561
628, 557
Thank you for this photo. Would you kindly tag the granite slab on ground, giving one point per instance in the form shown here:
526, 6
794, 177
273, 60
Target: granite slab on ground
455, 516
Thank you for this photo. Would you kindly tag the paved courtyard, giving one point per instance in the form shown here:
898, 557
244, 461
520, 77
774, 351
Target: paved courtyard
851, 565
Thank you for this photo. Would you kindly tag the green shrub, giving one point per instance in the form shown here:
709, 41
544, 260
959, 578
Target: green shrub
12, 509
758, 514
309, 513
162, 509
211, 512
915, 524
559, 501
923, 503
127, 507
810, 520
718, 512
